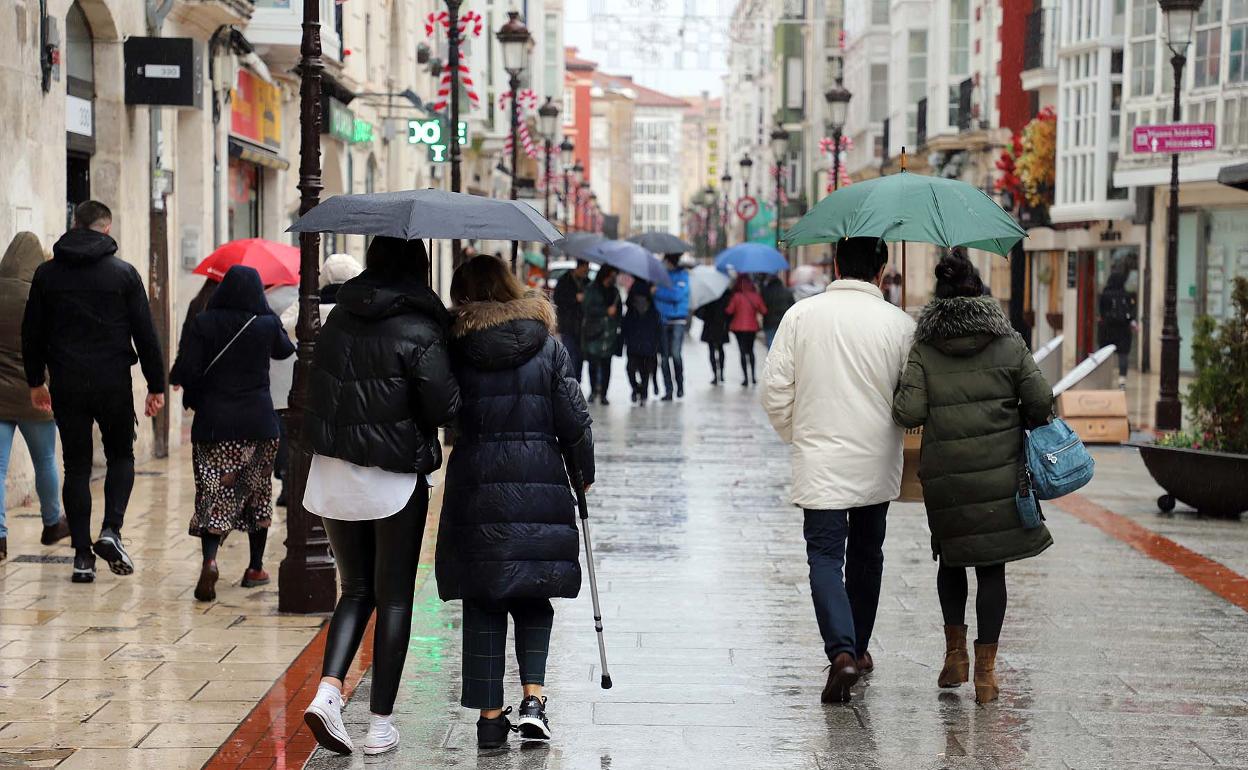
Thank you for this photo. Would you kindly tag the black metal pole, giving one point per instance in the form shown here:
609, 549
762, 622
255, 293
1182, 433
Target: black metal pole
567, 202
515, 154
745, 223
306, 577
1169, 414
836, 159
546, 182
779, 193
452, 8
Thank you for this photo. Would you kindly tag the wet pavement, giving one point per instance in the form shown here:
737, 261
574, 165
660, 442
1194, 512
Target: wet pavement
1108, 658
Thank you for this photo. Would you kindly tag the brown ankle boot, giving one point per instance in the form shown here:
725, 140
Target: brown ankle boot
957, 661
986, 689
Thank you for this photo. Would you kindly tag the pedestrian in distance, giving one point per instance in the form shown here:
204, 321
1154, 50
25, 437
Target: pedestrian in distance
778, 299
507, 537
1117, 309
715, 334
601, 330
569, 294
380, 388
828, 387
223, 370
744, 308
86, 316
973, 386
281, 379
198, 303
673, 304
23, 256
643, 330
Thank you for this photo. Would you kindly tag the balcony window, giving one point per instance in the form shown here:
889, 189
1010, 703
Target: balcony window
916, 88
879, 92
1143, 67
879, 12
1144, 18
1208, 60
1237, 69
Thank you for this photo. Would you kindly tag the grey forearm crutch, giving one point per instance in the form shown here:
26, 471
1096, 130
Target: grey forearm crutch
581, 503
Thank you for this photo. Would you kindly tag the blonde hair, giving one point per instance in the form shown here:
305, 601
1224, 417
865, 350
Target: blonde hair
485, 279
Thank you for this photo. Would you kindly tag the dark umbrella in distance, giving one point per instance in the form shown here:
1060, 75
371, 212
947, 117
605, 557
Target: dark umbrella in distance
662, 243
413, 214
632, 259
576, 245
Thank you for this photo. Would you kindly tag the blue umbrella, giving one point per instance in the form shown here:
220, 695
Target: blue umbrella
632, 259
751, 258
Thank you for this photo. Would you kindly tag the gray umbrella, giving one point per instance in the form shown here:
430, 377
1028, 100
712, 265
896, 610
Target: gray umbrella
661, 243
576, 245
412, 214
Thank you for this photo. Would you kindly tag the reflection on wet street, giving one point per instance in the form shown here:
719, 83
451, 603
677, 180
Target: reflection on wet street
1108, 659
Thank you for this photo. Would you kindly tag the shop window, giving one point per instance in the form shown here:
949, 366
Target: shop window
246, 180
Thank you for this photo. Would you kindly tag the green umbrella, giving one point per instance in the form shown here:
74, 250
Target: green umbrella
910, 207
535, 259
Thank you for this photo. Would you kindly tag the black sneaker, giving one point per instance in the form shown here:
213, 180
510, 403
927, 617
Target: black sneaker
84, 568
109, 548
533, 725
492, 733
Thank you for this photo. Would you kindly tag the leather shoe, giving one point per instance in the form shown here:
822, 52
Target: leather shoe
55, 533
843, 675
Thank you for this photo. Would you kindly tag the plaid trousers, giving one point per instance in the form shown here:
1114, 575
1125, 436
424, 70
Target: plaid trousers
485, 647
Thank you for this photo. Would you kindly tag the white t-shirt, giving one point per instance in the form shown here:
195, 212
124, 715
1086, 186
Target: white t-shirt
340, 490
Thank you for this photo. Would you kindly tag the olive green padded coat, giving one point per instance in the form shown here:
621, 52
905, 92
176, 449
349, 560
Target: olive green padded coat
971, 383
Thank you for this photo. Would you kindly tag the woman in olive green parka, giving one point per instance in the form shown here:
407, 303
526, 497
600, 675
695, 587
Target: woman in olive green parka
972, 385
600, 333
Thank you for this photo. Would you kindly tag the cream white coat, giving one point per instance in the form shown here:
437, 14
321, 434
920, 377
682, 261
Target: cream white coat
828, 390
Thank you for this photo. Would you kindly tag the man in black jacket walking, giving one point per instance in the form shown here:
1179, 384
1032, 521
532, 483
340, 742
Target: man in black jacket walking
569, 293
86, 317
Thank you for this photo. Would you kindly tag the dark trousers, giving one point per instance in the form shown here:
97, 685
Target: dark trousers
572, 343
851, 540
671, 346
640, 370
485, 647
990, 599
76, 413
600, 374
717, 361
745, 342
376, 563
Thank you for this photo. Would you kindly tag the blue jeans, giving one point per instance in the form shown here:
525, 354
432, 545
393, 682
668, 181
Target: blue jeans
770, 335
845, 608
671, 344
41, 439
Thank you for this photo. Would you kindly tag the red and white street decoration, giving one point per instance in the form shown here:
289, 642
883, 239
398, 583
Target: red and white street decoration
470, 23
825, 148
527, 103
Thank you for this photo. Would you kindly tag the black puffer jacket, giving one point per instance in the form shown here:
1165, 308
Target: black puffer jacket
381, 382
86, 316
508, 526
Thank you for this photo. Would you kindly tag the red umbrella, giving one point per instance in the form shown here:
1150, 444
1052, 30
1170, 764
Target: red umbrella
277, 263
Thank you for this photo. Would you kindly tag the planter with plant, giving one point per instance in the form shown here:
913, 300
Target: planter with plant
1206, 467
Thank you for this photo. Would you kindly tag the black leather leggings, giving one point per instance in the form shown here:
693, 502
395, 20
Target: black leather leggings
376, 569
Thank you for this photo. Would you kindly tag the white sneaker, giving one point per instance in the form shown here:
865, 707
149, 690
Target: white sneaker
324, 718
383, 736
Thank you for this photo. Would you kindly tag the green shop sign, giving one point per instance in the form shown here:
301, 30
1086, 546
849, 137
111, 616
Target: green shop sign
339, 120
432, 133
362, 132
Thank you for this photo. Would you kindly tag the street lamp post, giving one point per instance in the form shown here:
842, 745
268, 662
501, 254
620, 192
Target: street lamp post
746, 163
514, 39
726, 181
306, 576
548, 120
710, 199
779, 148
578, 179
838, 108
452, 40
1180, 16
566, 149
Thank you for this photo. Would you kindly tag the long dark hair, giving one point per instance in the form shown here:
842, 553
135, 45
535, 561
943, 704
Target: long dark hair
957, 277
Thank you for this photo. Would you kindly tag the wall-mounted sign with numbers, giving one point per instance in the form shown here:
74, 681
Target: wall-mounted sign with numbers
432, 133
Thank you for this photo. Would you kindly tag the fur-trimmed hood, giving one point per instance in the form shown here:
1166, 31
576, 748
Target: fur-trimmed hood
502, 335
962, 325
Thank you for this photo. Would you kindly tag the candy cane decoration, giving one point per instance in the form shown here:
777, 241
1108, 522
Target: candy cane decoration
527, 103
825, 148
470, 23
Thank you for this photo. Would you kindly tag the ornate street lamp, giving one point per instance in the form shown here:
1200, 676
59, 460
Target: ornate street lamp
1180, 17
779, 150
514, 38
306, 577
578, 179
747, 164
452, 40
837, 98
566, 150
726, 182
547, 123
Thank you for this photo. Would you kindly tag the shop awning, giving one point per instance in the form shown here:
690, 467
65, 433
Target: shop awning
1234, 176
254, 153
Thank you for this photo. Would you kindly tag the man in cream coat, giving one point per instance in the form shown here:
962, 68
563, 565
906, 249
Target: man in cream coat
828, 390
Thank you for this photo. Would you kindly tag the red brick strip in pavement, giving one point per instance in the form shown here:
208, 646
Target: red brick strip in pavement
273, 736
1215, 576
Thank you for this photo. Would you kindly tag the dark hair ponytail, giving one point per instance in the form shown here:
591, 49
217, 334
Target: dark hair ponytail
957, 277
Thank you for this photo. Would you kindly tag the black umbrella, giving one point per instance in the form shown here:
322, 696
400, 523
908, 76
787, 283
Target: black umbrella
576, 245
661, 243
413, 214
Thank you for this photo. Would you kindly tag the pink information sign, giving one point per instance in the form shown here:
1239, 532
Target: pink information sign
1175, 137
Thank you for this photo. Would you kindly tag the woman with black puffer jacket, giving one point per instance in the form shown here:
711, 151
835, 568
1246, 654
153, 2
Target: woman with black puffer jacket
507, 537
381, 386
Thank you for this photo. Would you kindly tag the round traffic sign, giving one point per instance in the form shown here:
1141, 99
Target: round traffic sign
747, 207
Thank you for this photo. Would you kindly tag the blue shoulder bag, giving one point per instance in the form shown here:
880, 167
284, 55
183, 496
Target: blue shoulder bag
1058, 461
